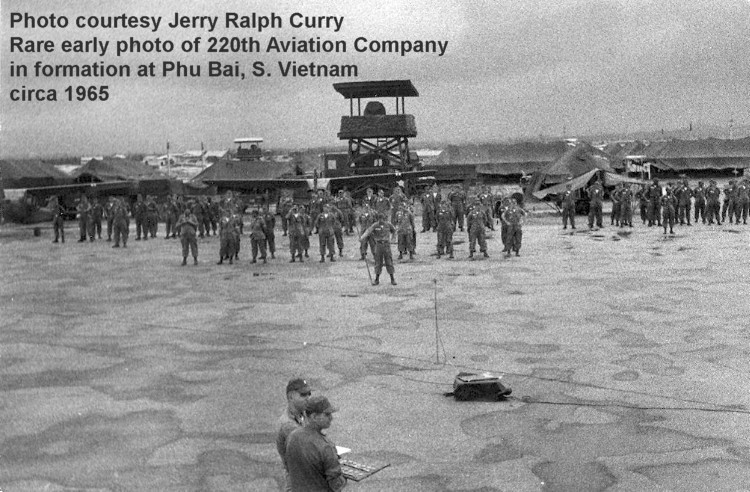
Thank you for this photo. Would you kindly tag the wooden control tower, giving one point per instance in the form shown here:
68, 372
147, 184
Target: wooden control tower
377, 139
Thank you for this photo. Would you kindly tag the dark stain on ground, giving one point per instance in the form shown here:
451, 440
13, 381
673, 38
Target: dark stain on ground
626, 338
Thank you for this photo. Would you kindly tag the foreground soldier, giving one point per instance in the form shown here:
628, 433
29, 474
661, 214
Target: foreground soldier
700, 202
457, 199
297, 233
120, 223
405, 227
310, 457
187, 224
381, 232
324, 224
258, 236
668, 207
446, 226
293, 418
596, 194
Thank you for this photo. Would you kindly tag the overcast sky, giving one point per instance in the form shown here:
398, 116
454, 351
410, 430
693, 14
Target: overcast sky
511, 69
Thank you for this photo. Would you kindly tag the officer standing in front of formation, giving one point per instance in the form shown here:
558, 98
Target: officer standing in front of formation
513, 217
381, 232
683, 195
58, 222
626, 206
297, 233
596, 194
504, 227
367, 217
668, 206
568, 208
188, 227
446, 226
227, 240
258, 236
477, 220
712, 203
324, 225
405, 227
120, 223
699, 193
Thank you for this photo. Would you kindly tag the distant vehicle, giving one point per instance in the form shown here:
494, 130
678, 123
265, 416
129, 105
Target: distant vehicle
251, 150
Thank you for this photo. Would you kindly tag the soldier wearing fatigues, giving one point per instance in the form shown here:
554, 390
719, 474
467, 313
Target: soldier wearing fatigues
139, 214
514, 218
729, 200
285, 208
297, 233
188, 226
346, 205
258, 236
504, 227
476, 221
120, 224
446, 226
712, 203
626, 206
683, 195
429, 209
616, 205
171, 213
338, 228
381, 232
109, 215
596, 194
97, 213
699, 194
654, 203
568, 209
227, 240
668, 210
324, 225
405, 229
58, 222
366, 218
84, 216
270, 220
457, 199
152, 217
743, 201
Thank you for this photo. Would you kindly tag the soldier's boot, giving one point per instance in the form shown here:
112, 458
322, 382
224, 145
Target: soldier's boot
272, 255
400, 256
231, 260
471, 255
254, 261
55, 241
377, 280
450, 255
362, 257
393, 280
322, 258
438, 256
306, 255
300, 258
341, 252
292, 260
517, 253
221, 261
485, 254
671, 231
332, 258
184, 260
411, 255
195, 261
116, 245
264, 259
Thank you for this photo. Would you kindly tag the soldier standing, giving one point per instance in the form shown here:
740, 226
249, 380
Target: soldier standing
338, 228
476, 221
258, 236
729, 199
457, 199
381, 232
668, 205
171, 214
58, 222
405, 228
139, 214
297, 232
743, 201
188, 226
446, 226
382, 204
97, 213
369, 199
324, 225
84, 215
270, 220
316, 205
700, 202
568, 209
120, 223
684, 195
227, 240
513, 217
596, 193
712, 202
285, 207
654, 203
642, 196
428, 211
366, 218
109, 214
152, 217
616, 205
214, 214
626, 206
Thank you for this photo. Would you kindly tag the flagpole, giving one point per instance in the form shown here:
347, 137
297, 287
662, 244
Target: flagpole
169, 162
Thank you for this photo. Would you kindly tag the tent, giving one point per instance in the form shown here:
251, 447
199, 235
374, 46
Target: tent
501, 159
610, 179
30, 174
97, 170
578, 160
230, 169
711, 153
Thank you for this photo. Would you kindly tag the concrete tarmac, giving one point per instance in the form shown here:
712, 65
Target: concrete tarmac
626, 349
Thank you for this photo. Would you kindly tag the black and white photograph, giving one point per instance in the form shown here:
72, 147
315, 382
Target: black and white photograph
384, 245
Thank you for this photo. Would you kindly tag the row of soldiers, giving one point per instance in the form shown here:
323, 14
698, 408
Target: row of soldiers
664, 206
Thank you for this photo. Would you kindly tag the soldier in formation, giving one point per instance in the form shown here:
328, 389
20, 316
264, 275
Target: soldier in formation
188, 226
381, 233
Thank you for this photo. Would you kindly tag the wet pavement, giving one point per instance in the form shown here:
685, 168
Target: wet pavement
627, 352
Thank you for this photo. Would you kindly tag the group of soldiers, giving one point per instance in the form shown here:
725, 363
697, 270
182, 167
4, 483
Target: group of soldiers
664, 206
330, 216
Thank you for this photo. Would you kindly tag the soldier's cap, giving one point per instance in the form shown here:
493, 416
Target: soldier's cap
299, 385
712, 181
319, 404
